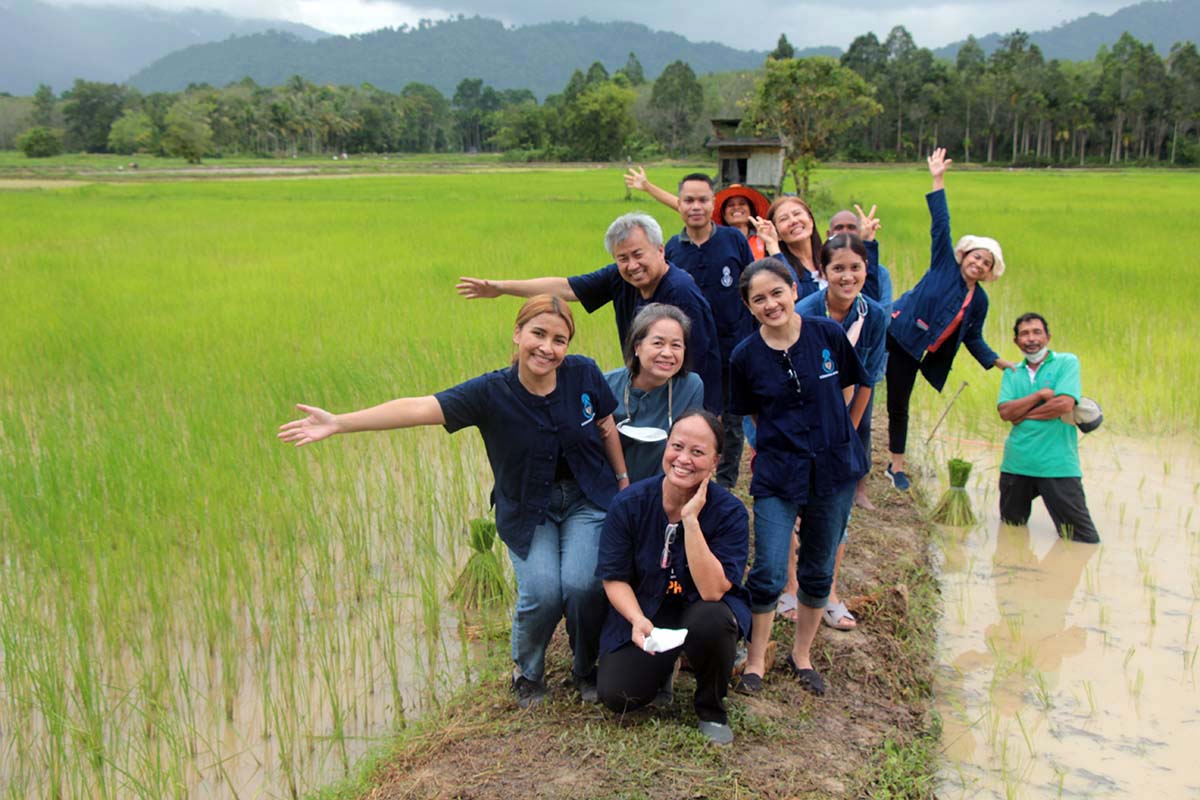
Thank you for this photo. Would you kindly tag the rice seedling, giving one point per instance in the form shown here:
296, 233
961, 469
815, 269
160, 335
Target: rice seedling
189, 609
954, 508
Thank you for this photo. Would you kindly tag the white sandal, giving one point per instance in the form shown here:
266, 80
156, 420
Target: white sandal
836, 616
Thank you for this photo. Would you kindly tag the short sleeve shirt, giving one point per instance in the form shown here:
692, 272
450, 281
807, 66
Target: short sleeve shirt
805, 437
524, 434
631, 545
1042, 448
871, 346
716, 266
676, 288
650, 410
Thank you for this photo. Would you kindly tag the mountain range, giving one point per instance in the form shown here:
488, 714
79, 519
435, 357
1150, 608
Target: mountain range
1159, 23
53, 44
156, 50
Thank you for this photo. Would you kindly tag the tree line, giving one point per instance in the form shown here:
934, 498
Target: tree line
881, 101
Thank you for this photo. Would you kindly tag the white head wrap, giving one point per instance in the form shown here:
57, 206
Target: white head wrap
968, 243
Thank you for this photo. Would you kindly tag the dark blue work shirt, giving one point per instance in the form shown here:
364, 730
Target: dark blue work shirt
803, 436
871, 346
525, 432
676, 288
921, 314
716, 266
631, 545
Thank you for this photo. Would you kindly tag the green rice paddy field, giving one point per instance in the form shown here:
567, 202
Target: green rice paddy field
178, 589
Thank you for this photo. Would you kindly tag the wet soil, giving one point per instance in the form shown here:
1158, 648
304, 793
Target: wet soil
789, 744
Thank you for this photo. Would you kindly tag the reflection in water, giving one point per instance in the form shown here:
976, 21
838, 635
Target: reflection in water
1070, 670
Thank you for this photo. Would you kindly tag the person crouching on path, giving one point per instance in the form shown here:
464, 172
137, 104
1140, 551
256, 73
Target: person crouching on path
1041, 453
672, 555
946, 308
654, 387
795, 376
547, 425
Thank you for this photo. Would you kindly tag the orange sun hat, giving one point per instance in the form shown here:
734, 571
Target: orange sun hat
758, 201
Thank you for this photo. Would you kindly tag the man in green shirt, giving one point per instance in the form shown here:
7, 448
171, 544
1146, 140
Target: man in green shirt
1041, 454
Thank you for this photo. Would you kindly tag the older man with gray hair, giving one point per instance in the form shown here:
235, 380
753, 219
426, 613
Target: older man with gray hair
639, 275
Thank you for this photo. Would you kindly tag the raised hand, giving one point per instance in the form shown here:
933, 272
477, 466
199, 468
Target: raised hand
938, 163
318, 425
636, 178
766, 231
691, 509
867, 223
476, 288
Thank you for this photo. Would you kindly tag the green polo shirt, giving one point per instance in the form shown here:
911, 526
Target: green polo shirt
1042, 448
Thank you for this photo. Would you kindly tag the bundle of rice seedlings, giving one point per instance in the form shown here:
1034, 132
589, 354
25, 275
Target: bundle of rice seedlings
954, 508
482, 582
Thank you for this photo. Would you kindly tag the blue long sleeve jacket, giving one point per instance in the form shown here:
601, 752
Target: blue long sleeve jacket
924, 311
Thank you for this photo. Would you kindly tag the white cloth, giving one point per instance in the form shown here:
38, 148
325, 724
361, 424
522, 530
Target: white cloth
662, 639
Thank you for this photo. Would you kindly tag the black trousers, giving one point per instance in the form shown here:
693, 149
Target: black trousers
731, 451
1063, 497
901, 375
629, 677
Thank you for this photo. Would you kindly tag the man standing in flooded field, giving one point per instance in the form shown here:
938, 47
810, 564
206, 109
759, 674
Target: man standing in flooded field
1041, 454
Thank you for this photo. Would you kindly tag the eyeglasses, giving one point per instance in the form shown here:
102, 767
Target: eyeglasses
792, 375
668, 540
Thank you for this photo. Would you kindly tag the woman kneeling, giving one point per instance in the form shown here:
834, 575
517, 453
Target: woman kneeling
672, 554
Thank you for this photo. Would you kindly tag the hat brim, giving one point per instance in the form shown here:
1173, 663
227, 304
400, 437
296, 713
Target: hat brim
758, 201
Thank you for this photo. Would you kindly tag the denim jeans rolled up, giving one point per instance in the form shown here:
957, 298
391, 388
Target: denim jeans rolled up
558, 578
822, 522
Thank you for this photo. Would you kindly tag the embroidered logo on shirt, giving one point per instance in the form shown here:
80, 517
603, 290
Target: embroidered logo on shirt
726, 278
828, 368
589, 411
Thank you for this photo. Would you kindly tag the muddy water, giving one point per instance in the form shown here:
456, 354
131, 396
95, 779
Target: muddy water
1070, 670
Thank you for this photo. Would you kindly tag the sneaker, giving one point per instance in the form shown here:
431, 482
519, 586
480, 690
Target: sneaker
716, 732
586, 687
529, 693
898, 479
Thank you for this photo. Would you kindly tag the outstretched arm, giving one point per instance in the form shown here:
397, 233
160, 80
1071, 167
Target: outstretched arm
476, 288
405, 412
636, 178
938, 164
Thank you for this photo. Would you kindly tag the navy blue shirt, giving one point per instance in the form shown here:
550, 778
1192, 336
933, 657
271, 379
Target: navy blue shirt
920, 315
716, 267
631, 545
524, 434
676, 288
872, 338
803, 437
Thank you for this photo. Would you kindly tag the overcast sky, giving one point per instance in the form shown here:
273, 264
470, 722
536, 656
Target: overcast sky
757, 26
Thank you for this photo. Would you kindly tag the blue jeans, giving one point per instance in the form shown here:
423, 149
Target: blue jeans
559, 577
822, 522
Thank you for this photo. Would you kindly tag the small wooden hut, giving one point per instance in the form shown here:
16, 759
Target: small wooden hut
750, 161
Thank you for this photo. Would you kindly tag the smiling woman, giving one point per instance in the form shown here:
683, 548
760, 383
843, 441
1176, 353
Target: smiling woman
654, 387
547, 425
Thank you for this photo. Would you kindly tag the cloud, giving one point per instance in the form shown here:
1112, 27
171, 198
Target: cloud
756, 24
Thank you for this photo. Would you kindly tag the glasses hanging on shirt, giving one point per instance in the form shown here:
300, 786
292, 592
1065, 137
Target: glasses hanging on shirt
793, 376
668, 540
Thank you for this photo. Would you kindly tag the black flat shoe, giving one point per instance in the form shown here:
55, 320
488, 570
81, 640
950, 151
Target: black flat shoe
810, 679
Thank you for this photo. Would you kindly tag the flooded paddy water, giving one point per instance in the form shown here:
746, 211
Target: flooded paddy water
1066, 669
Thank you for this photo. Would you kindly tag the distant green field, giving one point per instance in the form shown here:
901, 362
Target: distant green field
168, 566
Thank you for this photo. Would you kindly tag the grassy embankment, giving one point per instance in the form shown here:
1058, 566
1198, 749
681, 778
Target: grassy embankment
173, 575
